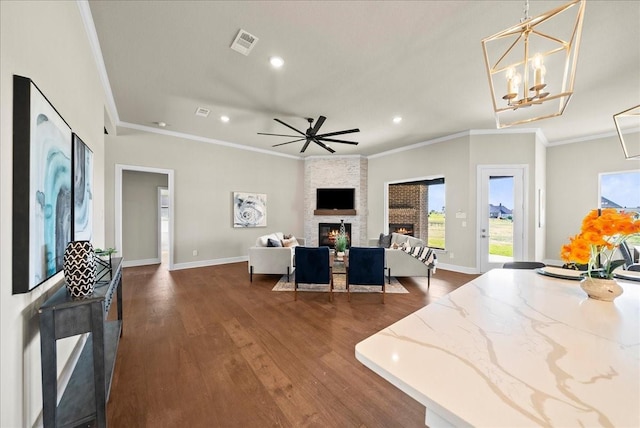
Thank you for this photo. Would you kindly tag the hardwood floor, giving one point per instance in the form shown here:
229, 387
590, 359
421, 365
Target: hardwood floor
206, 348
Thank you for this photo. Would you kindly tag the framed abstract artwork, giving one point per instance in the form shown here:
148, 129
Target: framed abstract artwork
249, 209
41, 187
82, 167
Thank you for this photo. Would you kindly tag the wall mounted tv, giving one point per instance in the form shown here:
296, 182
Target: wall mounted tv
335, 199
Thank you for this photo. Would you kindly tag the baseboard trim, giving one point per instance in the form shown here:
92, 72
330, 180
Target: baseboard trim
144, 262
214, 262
455, 268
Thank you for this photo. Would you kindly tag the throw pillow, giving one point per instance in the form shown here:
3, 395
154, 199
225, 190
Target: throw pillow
384, 241
274, 243
290, 242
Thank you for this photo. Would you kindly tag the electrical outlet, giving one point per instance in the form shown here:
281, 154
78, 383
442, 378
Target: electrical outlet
450, 255
195, 252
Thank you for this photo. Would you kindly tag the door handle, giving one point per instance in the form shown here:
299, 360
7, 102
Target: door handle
483, 236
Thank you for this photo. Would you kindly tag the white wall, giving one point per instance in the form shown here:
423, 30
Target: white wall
457, 159
449, 159
572, 185
46, 42
206, 175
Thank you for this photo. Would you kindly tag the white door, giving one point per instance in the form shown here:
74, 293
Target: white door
501, 215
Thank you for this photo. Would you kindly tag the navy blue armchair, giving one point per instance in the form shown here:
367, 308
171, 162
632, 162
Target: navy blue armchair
366, 267
313, 267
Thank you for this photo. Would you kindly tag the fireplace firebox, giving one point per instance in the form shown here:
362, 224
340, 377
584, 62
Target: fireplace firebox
403, 228
327, 233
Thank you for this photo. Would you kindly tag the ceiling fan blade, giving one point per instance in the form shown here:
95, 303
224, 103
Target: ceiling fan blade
290, 127
324, 146
305, 146
288, 142
318, 124
277, 135
348, 131
331, 140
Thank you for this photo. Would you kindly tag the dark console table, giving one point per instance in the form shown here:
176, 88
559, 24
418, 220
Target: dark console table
85, 397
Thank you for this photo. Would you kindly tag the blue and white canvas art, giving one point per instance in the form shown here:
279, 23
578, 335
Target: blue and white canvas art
50, 190
249, 209
42, 187
82, 190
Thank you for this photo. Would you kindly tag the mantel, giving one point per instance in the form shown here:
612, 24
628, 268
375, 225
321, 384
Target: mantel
334, 212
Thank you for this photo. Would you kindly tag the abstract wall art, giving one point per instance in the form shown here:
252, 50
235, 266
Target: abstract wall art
42, 211
82, 167
249, 209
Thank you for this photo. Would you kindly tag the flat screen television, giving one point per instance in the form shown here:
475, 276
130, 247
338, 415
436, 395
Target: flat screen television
335, 199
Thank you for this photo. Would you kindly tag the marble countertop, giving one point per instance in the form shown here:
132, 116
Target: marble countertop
515, 348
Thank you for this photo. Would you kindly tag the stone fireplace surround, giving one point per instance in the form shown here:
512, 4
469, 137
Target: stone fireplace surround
336, 172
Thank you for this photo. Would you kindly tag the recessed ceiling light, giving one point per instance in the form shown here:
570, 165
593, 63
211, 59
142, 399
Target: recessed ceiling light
276, 62
224, 118
161, 124
397, 119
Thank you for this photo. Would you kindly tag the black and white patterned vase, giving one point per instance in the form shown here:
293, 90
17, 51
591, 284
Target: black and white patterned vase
80, 268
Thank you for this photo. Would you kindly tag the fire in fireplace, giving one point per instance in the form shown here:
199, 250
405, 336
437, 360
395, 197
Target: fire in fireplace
403, 228
327, 233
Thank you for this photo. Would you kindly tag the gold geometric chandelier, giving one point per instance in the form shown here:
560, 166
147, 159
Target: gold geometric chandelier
531, 66
628, 127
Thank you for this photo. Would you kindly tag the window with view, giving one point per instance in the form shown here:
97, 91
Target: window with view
417, 208
621, 190
435, 208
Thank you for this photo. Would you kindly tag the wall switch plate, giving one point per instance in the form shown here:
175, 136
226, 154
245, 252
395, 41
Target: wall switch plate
195, 252
460, 214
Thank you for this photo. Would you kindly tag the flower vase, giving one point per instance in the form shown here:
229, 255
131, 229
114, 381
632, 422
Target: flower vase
601, 288
79, 268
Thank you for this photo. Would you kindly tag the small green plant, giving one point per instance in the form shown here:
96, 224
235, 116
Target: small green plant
341, 243
108, 251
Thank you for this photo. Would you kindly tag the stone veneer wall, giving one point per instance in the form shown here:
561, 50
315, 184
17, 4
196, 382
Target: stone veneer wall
336, 172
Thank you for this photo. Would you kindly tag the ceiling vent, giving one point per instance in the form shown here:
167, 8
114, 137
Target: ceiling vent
244, 42
204, 112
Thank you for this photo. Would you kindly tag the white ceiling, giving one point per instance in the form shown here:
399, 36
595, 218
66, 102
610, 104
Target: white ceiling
357, 63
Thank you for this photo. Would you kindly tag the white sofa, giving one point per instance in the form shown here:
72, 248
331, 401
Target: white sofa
399, 263
272, 260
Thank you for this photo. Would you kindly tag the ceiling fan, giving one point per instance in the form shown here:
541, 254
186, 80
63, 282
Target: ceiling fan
312, 135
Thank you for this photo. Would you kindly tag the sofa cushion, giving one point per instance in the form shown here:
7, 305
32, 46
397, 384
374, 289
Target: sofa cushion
399, 239
274, 243
290, 242
263, 241
384, 241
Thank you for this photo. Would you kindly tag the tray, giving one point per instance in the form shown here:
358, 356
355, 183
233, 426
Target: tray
556, 272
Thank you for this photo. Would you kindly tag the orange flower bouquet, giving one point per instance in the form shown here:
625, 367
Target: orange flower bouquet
602, 232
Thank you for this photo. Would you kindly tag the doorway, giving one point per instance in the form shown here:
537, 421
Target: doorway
118, 203
501, 215
163, 225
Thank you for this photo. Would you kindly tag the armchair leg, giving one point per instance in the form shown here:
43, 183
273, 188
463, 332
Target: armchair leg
389, 275
428, 278
250, 273
383, 292
287, 273
347, 285
295, 291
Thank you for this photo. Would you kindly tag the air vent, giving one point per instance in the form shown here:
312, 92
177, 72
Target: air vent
204, 112
244, 42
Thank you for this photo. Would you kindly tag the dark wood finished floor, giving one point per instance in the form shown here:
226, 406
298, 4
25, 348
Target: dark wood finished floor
206, 348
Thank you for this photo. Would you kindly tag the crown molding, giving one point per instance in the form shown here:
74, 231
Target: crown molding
202, 139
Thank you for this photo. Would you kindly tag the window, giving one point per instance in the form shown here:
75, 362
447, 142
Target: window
621, 190
436, 210
417, 208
